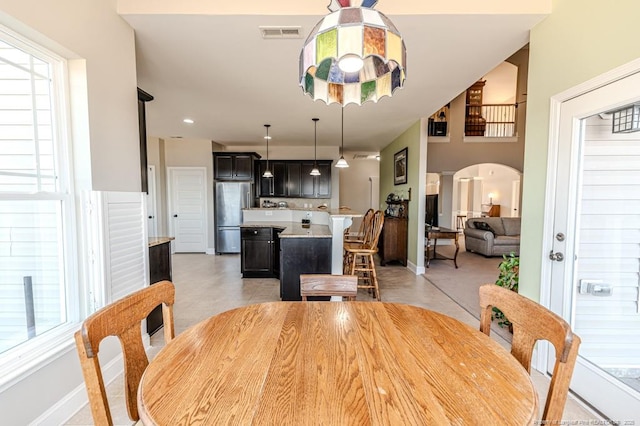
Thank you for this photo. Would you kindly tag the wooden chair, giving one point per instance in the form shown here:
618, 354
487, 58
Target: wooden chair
122, 318
355, 239
360, 256
364, 225
328, 285
533, 322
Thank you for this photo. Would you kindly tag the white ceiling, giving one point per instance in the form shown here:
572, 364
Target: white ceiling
219, 71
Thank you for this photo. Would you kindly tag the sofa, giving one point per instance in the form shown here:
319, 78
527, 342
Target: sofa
493, 236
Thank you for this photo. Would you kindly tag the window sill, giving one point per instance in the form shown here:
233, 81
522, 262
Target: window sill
484, 139
438, 139
23, 360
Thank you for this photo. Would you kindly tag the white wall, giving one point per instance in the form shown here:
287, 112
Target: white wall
106, 137
92, 31
355, 186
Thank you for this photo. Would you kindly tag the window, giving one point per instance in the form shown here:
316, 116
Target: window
36, 201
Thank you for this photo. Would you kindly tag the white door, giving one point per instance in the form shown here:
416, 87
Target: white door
152, 211
593, 244
188, 208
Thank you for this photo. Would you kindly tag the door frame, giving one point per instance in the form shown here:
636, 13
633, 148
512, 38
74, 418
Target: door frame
556, 101
152, 192
170, 171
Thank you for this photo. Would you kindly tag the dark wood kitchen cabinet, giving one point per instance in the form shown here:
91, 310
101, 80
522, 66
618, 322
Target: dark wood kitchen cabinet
316, 186
260, 248
233, 166
275, 186
302, 256
291, 179
159, 270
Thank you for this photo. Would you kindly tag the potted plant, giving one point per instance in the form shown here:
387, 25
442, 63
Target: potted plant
508, 278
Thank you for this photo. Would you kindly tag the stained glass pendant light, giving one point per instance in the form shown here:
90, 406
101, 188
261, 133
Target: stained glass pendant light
342, 163
267, 173
353, 55
315, 171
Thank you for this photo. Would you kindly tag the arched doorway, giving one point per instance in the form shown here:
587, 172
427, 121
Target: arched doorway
487, 188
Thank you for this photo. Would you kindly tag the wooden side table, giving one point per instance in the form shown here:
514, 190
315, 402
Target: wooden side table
443, 234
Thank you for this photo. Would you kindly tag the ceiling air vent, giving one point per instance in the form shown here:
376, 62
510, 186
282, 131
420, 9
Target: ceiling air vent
280, 32
365, 156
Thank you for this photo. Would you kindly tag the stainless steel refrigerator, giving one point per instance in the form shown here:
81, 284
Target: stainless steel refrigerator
230, 199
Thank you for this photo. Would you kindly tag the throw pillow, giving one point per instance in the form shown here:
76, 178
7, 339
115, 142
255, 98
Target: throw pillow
485, 227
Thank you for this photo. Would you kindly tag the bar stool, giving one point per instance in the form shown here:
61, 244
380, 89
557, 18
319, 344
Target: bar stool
360, 258
355, 239
460, 220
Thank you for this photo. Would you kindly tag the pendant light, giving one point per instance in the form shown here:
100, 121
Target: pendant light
342, 163
315, 171
267, 173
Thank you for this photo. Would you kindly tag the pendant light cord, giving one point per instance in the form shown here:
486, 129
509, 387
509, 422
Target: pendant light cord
342, 149
315, 142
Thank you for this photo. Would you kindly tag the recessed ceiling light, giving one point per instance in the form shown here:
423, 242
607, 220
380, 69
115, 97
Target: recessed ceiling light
188, 121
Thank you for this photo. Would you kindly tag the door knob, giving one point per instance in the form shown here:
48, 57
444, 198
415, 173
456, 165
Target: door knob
558, 257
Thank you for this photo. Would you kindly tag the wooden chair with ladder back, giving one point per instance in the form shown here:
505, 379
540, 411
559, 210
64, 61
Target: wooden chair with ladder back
345, 286
532, 322
356, 239
122, 319
359, 257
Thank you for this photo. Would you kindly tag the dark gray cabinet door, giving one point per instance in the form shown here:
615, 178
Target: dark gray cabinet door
233, 166
294, 188
302, 256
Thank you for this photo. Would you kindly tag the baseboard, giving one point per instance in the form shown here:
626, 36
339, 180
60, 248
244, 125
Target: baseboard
418, 270
75, 400
210, 251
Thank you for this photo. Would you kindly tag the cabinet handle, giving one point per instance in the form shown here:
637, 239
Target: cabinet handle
175, 215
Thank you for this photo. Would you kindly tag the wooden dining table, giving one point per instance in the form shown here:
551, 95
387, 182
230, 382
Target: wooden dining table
335, 363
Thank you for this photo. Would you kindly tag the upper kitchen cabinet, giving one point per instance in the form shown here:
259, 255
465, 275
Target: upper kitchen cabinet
291, 179
275, 186
316, 186
233, 166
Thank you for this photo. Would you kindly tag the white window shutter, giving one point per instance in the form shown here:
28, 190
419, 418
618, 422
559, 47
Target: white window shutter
120, 249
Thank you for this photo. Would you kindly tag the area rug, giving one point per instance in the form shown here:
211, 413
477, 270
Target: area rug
462, 284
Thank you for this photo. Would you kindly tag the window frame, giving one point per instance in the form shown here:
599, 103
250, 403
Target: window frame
21, 360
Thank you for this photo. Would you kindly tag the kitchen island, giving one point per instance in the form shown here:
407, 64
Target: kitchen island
336, 219
301, 250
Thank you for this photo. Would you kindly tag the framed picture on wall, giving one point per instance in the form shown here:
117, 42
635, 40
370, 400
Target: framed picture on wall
400, 167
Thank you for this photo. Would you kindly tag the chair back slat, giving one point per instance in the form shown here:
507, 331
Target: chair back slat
122, 319
532, 322
328, 285
362, 230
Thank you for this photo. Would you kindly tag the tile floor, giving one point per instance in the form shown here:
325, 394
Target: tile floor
207, 285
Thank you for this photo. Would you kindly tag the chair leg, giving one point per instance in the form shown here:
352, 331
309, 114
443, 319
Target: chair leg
374, 278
